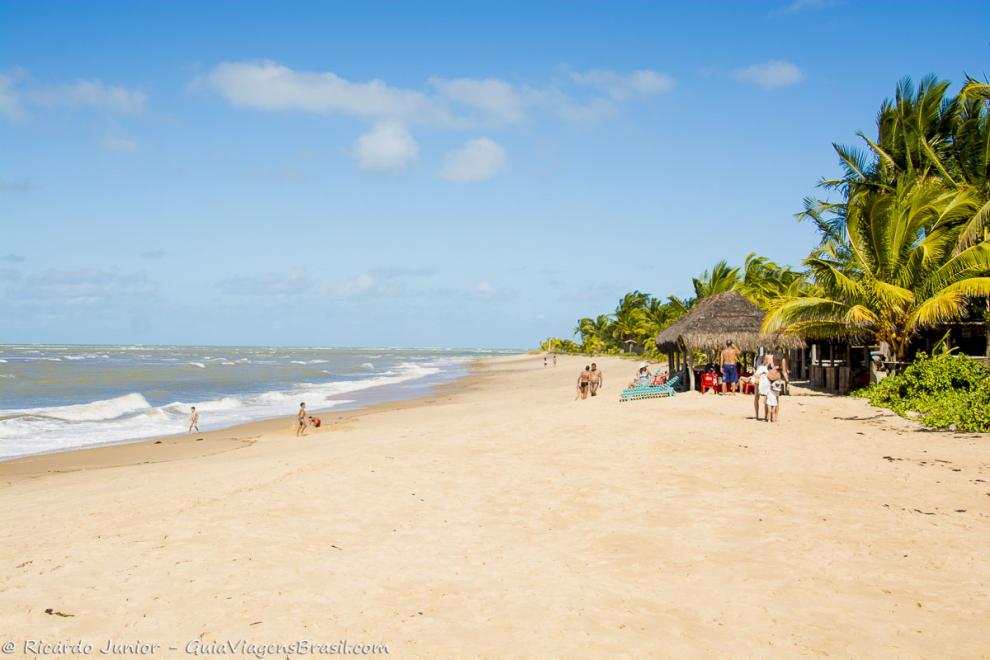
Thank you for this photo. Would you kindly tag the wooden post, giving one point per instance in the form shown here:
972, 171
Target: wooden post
689, 364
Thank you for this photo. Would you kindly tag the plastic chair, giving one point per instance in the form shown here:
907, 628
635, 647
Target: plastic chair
708, 383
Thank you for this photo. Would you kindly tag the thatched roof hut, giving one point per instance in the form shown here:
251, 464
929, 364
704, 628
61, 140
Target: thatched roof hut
717, 319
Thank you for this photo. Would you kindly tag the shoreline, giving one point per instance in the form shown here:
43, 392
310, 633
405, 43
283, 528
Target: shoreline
180, 446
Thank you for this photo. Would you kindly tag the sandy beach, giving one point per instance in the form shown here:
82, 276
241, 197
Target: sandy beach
499, 517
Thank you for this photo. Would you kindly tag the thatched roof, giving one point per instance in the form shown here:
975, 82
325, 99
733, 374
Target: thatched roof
720, 318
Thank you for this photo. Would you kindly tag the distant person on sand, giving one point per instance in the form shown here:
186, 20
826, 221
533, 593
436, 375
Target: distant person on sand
597, 379
583, 382
302, 420
545, 362
194, 420
730, 375
315, 422
555, 359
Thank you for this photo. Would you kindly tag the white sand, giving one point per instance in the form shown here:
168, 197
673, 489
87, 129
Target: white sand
503, 518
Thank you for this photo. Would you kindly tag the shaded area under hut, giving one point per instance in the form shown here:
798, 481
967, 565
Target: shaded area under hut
710, 324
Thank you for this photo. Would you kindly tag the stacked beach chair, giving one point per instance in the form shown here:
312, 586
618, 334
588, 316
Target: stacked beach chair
652, 391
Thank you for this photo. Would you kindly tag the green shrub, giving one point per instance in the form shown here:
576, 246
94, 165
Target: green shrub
945, 389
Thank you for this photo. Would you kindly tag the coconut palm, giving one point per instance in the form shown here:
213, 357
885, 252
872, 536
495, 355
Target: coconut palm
763, 281
719, 280
903, 263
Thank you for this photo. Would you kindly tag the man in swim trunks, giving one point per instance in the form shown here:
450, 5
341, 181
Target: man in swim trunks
730, 375
584, 380
597, 379
194, 420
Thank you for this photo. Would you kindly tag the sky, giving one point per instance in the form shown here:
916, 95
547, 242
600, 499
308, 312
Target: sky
463, 174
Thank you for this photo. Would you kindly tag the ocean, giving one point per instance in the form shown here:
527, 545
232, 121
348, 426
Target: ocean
54, 398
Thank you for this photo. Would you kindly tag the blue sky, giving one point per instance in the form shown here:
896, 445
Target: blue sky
420, 174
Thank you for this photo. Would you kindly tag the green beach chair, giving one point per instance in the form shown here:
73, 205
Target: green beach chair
652, 391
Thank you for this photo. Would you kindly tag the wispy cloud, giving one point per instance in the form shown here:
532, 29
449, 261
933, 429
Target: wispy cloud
84, 286
458, 104
642, 83
478, 160
388, 147
496, 101
770, 75
268, 285
13, 258
19, 93
798, 6
154, 253
90, 94
10, 101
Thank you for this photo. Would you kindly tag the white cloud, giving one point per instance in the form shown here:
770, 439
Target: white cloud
118, 143
477, 160
621, 87
90, 94
557, 103
496, 100
388, 147
771, 75
458, 104
267, 85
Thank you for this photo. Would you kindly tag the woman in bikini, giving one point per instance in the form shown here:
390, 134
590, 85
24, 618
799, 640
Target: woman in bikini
583, 382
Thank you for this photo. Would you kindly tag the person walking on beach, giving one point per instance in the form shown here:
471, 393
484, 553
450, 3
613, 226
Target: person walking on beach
583, 382
545, 362
730, 375
555, 359
597, 379
193, 420
302, 420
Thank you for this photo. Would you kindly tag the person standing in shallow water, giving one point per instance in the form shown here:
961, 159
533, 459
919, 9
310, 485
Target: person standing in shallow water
301, 430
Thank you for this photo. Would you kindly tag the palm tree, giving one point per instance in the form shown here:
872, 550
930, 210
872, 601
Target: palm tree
764, 281
721, 279
904, 262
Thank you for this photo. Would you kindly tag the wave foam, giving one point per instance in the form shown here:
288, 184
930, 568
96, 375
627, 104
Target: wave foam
89, 412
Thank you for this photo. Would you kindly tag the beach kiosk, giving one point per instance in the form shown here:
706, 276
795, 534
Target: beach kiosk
712, 322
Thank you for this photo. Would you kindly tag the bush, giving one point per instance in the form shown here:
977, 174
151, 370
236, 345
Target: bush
945, 389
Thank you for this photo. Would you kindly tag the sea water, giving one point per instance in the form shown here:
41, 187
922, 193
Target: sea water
55, 398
